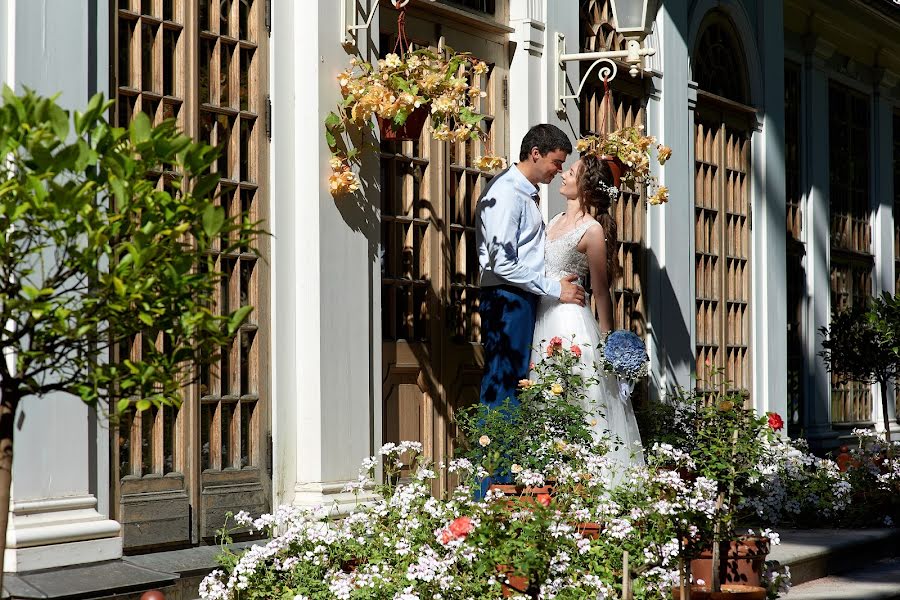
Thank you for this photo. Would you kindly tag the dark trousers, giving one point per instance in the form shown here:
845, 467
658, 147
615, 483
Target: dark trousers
507, 326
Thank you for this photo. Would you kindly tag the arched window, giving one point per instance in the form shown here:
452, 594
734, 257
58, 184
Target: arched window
722, 126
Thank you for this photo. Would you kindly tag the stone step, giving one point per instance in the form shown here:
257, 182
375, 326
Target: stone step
879, 580
841, 564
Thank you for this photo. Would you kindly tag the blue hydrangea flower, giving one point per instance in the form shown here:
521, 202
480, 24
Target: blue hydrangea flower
625, 354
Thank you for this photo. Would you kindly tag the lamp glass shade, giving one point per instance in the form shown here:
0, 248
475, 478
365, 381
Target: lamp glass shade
633, 17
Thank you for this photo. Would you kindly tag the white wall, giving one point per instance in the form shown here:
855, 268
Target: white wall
326, 276
61, 452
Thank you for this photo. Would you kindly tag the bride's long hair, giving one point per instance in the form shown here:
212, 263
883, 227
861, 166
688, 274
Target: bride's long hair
594, 180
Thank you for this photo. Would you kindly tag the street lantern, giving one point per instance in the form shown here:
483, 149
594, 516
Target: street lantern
634, 18
634, 21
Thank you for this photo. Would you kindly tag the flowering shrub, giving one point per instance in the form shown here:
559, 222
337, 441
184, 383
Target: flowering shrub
407, 544
538, 435
796, 487
392, 90
632, 147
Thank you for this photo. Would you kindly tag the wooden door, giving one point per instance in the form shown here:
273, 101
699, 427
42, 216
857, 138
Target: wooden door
722, 240
175, 473
432, 357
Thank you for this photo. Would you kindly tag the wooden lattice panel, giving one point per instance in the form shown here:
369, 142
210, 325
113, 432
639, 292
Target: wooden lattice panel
851, 234
200, 63
598, 30
466, 185
722, 252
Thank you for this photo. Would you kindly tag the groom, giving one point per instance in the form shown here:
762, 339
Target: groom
510, 234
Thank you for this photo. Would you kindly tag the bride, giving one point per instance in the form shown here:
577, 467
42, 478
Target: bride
580, 244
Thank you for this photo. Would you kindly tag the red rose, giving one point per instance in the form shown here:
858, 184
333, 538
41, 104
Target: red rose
461, 527
543, 499
576, 350
775, 421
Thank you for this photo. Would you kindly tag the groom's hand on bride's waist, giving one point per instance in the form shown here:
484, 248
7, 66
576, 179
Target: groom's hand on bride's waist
571, 292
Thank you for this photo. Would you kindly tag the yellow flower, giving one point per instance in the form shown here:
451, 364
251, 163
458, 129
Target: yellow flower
660, 197
516, 468
525, 383
484, 441
557, 389
664, 154
490, 163
391, 61
336, 163
480, 68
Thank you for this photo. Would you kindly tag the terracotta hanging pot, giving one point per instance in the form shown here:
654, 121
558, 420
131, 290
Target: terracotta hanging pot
411, 128
729, 592
589, 529
742, 561
514, 585
616, 166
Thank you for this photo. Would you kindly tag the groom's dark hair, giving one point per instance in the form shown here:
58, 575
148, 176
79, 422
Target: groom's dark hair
546, 138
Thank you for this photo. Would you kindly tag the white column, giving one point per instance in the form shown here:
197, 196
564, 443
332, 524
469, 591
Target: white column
326, 275
532, 77
670, 227
769, 309
61, 463
882, 166
817, 417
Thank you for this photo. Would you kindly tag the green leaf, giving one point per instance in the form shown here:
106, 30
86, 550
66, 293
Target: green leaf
140, 128
122, 405
330, 139
237, 319
332, 120
142, 405
146, 319
213, 219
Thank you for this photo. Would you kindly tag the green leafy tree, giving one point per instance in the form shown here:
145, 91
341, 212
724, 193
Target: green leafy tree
93, 252
863, 345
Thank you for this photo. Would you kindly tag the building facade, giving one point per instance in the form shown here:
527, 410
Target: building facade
784, 118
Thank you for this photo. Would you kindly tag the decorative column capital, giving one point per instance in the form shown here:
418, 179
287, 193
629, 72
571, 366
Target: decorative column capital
818, 50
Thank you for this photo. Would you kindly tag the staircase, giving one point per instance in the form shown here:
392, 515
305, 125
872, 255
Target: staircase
841, 564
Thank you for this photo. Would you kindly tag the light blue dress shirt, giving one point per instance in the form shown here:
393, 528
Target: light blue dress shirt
509, 233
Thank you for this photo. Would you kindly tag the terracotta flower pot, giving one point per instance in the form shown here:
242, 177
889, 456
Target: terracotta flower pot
516, 490
729, 592
512, 584
589, 530
741, 561
616, 166
410, 130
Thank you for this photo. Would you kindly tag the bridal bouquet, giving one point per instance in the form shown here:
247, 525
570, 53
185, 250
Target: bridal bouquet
625, 356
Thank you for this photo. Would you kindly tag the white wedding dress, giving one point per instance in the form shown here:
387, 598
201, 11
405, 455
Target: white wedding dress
576, 324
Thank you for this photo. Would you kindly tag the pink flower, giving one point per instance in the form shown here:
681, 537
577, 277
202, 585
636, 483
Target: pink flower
555, 344
543, 499
576, 350
461, 526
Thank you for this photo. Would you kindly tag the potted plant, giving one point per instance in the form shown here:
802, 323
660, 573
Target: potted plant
399, 93
862, 344
627, 151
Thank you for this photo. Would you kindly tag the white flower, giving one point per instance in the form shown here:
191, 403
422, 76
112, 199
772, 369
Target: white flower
484, 441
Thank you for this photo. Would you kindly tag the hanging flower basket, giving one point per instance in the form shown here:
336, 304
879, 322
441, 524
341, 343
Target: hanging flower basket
401, 91
411, 129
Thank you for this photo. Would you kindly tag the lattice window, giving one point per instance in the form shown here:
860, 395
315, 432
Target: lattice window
201, 63
598, 30
598, 33
851, 234
722, 251
717, 67
466, 184
796, 275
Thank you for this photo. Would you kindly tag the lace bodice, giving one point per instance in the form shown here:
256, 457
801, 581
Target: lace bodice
561, 256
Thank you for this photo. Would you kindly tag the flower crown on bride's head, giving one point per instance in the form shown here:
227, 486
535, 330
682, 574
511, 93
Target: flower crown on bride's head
611, 190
